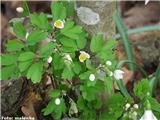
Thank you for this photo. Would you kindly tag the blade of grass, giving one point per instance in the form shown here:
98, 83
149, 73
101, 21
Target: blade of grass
120, 83
140, 30
26, 11
123, 88
158, 74
127, 45
155, 80
122, 62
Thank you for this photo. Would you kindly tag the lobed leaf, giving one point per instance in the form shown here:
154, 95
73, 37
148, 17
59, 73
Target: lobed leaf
35, 72
14, 45
19, 29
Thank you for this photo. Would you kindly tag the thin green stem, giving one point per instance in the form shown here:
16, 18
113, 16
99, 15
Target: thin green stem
127, 45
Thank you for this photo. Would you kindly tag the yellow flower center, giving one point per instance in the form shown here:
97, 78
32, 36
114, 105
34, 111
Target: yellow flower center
83, 56
58, 23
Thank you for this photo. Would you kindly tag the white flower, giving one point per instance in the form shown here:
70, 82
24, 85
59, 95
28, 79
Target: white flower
59, 24
118, 74
27, 34
136, 106
19, 9
92, 77
83, 56
108, 63
49, 60
111, 74
148, 115
57, 101
127, 106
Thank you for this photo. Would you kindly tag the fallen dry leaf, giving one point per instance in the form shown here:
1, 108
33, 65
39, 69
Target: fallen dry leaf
141, 15
28, 106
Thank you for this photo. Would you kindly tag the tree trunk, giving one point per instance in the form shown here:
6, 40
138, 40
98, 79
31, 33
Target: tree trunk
96, 17
12, 94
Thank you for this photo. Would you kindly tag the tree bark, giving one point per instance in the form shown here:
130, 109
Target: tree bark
96, 17
12, 93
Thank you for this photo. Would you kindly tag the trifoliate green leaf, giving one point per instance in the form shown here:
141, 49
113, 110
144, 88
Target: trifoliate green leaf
89, 93
72, 31
82, 41
23, 65
116, 100
54, 93
85, 75
50, 107
26, 56
115, 107
68, 42
40, 20
109, 44
88, 114
58, 11
8, 59
47, 49
81, 103
55, 110
36, 36
14, 45
98, 103
68, 49
89, 64
77, 68
35, 72
69, 7
106, 55
67, 73
7, 72
19, 29
96, 43
108, 85
58, 62
142, 89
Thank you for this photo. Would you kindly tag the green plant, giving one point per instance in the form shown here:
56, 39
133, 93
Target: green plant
82, 70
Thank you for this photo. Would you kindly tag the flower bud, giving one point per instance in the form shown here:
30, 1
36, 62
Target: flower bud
136, 106
118, 74
57, 101
127, 106
19, 9
49, 60
109, 63
92, 77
